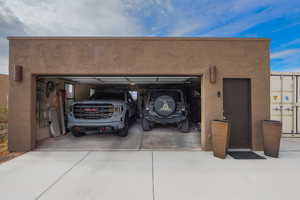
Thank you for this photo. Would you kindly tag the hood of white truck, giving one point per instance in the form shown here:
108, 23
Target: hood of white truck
100, 102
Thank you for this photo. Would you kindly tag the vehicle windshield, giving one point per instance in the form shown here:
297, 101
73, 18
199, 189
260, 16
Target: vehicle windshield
108, 96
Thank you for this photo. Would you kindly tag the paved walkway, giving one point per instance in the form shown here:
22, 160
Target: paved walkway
147, 175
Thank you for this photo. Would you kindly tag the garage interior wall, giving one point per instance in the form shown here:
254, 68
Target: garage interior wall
233, 58
81, 92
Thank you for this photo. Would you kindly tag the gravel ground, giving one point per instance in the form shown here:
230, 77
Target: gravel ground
4, 154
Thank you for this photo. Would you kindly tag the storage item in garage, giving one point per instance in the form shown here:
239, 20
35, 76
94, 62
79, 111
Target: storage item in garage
271, 137
61, 96
54, 125
220, 137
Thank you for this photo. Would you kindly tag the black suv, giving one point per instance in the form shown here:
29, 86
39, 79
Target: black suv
165, 106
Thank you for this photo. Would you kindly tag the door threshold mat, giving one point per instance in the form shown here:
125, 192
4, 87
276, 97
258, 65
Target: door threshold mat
245, 155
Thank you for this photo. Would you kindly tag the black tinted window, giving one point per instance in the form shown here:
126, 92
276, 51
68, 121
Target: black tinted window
108, 95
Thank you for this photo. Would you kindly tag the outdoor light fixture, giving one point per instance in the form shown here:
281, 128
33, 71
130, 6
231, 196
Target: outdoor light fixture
18, 73
213, 74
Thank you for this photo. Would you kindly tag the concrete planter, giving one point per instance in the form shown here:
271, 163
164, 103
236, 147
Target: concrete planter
271, 136
220, 137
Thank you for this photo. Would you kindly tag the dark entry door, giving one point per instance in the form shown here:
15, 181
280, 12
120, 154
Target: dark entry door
237, 109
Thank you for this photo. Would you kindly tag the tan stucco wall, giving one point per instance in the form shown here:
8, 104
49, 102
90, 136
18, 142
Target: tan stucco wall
234, 58
3, 90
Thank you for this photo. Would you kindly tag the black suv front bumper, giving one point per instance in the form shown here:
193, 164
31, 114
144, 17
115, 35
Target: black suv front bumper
171, 119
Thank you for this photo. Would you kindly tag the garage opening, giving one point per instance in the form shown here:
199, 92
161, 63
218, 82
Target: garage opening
118, 112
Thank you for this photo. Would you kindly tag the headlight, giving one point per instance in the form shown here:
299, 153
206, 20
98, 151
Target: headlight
112, 109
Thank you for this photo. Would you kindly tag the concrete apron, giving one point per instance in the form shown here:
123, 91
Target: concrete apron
148, 175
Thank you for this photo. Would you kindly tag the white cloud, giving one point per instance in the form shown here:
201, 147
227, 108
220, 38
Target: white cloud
285, 53
71, 17
243, 15
207, 18
297, 41
3, 65
290, 43
63, 18
137, 17
185, 27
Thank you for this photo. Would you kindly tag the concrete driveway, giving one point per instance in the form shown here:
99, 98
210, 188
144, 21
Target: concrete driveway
159, 175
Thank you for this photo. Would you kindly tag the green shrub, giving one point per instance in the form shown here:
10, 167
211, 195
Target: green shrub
3, 126
3, 144
3, 113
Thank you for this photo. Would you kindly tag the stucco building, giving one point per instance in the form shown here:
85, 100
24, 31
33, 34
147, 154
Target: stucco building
232, 72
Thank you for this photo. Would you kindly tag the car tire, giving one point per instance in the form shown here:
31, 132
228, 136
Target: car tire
185, 126
77, 133
124, 131
146, 125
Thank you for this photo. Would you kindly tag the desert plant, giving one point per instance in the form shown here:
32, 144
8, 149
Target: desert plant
3, 138
3, 126
3, 113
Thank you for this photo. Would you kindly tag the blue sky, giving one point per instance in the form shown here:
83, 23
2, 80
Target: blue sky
275, 19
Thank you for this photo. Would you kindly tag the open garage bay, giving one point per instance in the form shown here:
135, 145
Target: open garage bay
160, 138
118, 113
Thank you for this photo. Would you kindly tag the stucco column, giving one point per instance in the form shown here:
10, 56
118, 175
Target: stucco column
211, 107
21, 113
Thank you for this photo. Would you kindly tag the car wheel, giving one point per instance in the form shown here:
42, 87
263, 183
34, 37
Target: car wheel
77, 133
124, 131
146, 125
185, 126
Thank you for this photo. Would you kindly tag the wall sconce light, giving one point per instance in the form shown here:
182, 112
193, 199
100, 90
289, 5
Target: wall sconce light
213, 74
18, 73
